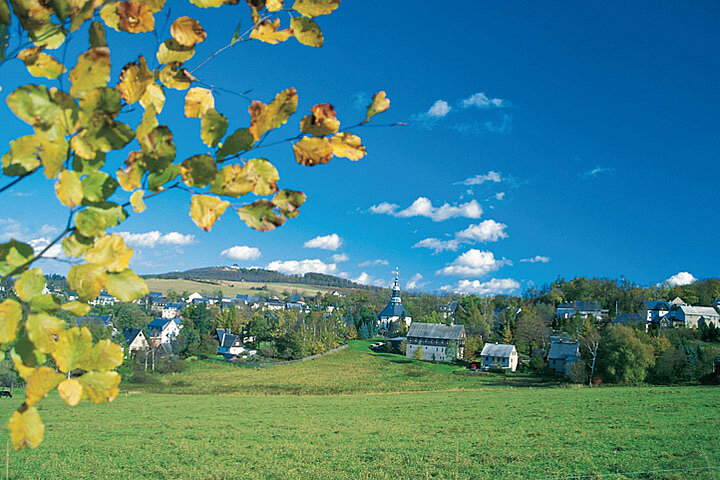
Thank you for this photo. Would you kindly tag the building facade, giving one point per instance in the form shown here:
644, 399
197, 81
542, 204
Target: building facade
433, 340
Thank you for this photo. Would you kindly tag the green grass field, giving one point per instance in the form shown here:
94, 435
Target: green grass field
229, 288
355, 414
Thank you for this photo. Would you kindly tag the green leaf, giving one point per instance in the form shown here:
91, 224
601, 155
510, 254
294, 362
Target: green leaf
23, 156
41, 64
93, 221
98, 186
97, 35
260, 216
26, 429
75, 245
263, 175
87, 281
30, 284
104, 356
78, 309
206, 209
288, 202
10, 316
72, 344
109, 251
236, 34
170, 51
268, 117
32, 104
314, 8
13, 254
198, 170
70, 390
126, 286
157, 180
100, 99
134, 79
92, 70
172, 76
306, 31
198, 101
25, 354
379, 104
4, 13
100, 387
158, 148
41, 328
41, 381
241, 140
310, 151
44, 303
232, 181
83, 166
187, 31
213, 126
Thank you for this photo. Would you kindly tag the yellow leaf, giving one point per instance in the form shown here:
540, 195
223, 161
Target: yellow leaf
268, 117
91, 71
153, 97
313, 8
198, 101
268, 32
379, 104
126, 286
10, 316
87, 280
134, 17
109, 251
72, 344
30, 284
75, 245
136, 200
78, 309
310, 151
130, 177
347, 145
68, 189
170, 51
261, 216
26, 428
70, 390
41, 64
174, 77
103, 356
42, 380
213, 127
274, 5
232, 181
187, 31
206, 209
41, 327
100, 387
323, 120
288, 202
306, 31
134, 79
53, 152
263, 175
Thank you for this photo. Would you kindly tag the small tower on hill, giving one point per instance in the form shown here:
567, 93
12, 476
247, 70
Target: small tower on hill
394, 311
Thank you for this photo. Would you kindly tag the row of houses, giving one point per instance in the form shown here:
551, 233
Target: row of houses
672, 314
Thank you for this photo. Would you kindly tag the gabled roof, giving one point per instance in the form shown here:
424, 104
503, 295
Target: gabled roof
228, 340
436, 331
130, 334
677, 301
161, 323
657, 305
393, 309
629, 318
695, 310
564, 350
497, 350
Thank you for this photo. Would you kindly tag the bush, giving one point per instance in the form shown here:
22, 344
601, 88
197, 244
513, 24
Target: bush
537, 362
579, 372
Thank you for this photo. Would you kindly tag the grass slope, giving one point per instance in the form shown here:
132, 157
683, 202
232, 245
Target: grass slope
360, 428
230, 288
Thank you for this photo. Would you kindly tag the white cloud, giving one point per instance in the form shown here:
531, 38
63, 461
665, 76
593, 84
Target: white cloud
536, 259
340, 257
481, 100
10, 228
486, 231
38, 244
301, 267
474, 263
414, 282
491, 176
499, 195
439, 109
327, 242
681, 278
155, 238
241, 252
376, 262
594, 172
495, 286
365, 279
423, 207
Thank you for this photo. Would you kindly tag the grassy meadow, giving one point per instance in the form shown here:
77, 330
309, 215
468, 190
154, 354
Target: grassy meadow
232, 288
355, 414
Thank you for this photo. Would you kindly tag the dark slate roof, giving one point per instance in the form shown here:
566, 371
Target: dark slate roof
130, 334
393, 309
629, 318
564, 350
228, 340
656, 305
103, 320
296, 298
497, 350
159, 323
293, 305
435, 330
155, 294
177, 305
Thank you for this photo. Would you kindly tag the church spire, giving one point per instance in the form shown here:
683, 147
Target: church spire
395, 298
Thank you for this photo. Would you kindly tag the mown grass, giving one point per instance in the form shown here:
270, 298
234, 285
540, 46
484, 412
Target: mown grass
232, 288
435, 425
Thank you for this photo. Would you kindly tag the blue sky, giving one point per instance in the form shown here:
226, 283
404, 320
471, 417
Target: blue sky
543, 140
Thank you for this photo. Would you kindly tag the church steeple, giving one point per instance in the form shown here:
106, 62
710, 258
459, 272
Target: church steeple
395, 297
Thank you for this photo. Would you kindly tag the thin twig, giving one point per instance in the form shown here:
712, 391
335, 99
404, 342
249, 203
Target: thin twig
2, 189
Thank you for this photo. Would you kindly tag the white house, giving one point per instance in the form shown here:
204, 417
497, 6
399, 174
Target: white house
433, 340
172, 310
584, 308
135, 338
654, 311
394, 311
499, 355
229, 344
193, 296
690, 316
563, 354
164, 330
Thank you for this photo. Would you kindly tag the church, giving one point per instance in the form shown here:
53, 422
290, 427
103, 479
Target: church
394, 311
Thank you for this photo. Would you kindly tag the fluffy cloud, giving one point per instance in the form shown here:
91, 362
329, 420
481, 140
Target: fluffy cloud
365, 279
38, 244
414, 282
536, 259
439, 109
475, 263
681, 278
369, 263
423, 207
481, 100
495, 286
486, 231
301, 267
241, 252
491, 176
327, 242
499, 195
155, 238
340, 257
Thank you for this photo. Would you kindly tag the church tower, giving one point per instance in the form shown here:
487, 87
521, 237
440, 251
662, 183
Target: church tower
394, 311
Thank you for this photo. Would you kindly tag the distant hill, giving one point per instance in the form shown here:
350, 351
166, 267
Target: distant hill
237, 274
